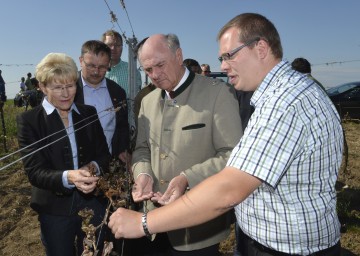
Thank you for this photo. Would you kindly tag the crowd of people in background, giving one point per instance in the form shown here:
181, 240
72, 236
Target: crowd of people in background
30, 93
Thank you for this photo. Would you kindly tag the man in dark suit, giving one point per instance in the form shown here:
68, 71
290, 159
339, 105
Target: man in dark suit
105, 95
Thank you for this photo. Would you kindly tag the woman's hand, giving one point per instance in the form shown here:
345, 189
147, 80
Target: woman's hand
83, 180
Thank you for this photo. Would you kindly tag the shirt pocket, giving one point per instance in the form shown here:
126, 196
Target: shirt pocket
193, 126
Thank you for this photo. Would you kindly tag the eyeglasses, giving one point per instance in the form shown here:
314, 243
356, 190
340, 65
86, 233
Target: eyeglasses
59, 89
229, 55
93, 68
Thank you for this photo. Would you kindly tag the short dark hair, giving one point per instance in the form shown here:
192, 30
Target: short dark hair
192, 65
302, 65
253, 25
95, 47
34, 81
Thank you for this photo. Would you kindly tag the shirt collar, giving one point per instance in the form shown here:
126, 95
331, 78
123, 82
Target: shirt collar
49, 108
119, 63
267, 85
183, 79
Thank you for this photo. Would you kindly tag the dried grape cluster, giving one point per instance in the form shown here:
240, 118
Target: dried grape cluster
116, 187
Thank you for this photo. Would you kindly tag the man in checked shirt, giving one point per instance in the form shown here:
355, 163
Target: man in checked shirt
281, 176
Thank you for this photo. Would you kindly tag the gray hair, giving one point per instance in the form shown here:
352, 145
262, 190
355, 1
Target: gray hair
173, 42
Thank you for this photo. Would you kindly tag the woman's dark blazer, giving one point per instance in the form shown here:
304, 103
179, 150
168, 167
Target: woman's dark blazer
37, 130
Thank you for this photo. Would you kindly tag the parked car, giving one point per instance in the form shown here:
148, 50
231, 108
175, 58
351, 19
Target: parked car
346, 98
219, 75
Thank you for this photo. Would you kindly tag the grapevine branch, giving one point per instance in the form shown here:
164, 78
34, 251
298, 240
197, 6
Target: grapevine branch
116, 187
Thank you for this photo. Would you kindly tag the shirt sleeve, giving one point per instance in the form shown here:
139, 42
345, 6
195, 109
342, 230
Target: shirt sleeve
65, 180
270, 143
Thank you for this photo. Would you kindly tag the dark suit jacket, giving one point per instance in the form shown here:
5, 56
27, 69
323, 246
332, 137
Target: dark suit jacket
245, 108
120, 139
45, 167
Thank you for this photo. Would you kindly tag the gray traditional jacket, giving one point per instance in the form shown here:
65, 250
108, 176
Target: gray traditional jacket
193, 133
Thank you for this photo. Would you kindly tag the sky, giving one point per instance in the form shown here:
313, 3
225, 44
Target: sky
324, 32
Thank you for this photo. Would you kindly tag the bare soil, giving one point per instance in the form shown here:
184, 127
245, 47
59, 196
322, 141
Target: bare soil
19, 227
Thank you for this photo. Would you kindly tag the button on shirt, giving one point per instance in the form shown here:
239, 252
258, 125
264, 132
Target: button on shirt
99, 97
293, 143
163, 156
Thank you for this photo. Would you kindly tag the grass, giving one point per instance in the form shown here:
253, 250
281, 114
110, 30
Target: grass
8, 139
348, 185
10, 113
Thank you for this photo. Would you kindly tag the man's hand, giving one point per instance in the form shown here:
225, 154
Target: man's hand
125, 157
176, 189
126, 223
83, 180
142, 189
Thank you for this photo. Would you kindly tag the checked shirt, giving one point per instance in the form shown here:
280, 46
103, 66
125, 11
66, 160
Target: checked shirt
293, 143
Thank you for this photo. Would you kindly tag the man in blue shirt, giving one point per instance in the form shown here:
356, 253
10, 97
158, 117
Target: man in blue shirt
105, 95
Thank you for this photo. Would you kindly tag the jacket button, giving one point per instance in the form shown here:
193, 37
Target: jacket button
162, 156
